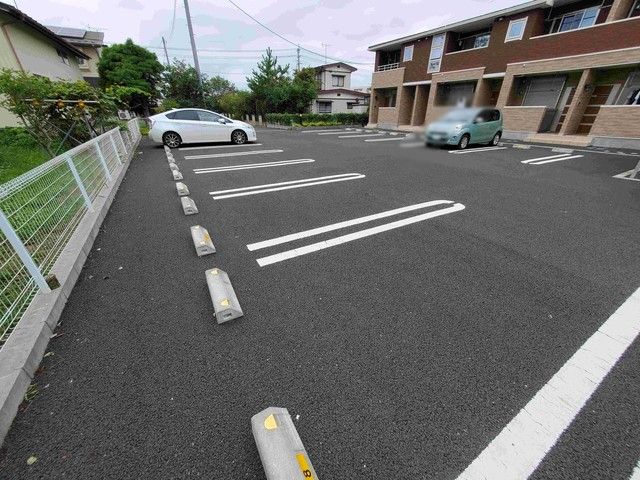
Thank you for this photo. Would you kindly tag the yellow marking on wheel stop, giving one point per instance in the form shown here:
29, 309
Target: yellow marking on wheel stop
225, 302
270, 423
207, 236
304, 466
214, 271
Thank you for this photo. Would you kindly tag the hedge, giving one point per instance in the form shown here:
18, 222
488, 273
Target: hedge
318, 118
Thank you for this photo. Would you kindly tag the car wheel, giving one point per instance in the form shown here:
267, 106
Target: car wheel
464, 141
171, 139
238, 137
496, 139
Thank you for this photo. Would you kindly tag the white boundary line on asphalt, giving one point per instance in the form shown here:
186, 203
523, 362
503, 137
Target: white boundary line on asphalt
362, 136
571, 157
384, 139
633, 154
206, 147
347, 223
522, 445
250, 166
471, 150
545, 158
326, 131
627, 176
635, 475
297, 252
231, 154
333, 132
306, 182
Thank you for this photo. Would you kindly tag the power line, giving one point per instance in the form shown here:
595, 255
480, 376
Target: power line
289, 41
173, 21
219, 50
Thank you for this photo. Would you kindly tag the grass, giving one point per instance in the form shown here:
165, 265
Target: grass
19, 153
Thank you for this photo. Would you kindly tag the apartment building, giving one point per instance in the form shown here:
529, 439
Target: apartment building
560, 70
335, 94
90, 43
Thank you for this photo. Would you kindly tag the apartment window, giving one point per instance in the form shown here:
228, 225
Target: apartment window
324, 107
63, 57
337, 80
437, 50
630, 94
408, 53
575, 20
516, 29
635, 10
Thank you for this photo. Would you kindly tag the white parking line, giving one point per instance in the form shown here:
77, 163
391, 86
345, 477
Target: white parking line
326, 131
296, 252
332, 132
249, 166
385, 139
232, 154
520, 447
545, 158
205, 147
348, 223
557, 160
362, 136
306, 182
472, 150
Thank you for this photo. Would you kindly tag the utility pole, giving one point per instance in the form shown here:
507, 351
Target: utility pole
325, 45
164, 45
298, 52
193, 41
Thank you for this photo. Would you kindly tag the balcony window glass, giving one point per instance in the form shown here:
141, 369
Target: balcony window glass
408, 54
575, 20
482, 41
516, 29
635, 10
630, 94
437, 49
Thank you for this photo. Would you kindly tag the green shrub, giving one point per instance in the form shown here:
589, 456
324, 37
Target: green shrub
318, 119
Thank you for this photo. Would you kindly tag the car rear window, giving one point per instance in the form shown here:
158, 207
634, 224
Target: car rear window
171, 115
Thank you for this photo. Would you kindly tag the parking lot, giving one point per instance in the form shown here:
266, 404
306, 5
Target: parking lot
403, 303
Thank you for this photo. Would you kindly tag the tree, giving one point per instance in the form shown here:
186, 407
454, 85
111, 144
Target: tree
303, 90
268, 84
236, 104
130, 65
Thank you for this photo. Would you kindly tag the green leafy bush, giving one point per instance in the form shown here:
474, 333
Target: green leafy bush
317, 119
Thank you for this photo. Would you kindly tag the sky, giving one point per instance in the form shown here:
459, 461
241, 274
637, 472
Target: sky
346, 28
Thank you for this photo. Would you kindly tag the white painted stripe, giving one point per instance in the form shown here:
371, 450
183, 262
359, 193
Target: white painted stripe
242, 189
544, 158
326, 131
347, 223
384, 139
520, 447
288, 187
558, 160
296, 252
232, 154
221, 146
472, 150
252, 165
332, 132
635, 475
362, 136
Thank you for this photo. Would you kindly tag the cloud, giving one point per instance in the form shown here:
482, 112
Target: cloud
131, 4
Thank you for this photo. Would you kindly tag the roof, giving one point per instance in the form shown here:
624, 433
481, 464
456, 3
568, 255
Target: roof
355, 93
27, 20
336, 64
79, 36
472, 23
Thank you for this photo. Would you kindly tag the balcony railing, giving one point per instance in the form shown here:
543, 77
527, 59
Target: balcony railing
388, 66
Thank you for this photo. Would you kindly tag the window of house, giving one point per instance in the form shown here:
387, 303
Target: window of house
516, 29
408, 53
437, 50
635, 10
630, 93
64, 58
337, 80
574, 20
324, 107
350, 105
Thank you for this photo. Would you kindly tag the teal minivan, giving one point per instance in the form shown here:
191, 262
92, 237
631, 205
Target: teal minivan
465, 126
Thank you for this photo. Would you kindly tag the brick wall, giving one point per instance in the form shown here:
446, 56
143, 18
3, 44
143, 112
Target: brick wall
387, 117
617, 121
523, 119
388, 78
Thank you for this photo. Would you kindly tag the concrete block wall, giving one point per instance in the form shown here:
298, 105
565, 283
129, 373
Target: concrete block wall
523, 119
617, 121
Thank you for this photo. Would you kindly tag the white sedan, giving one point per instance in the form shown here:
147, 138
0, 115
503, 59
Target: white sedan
194, 125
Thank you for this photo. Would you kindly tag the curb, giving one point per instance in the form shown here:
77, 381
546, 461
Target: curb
21, 355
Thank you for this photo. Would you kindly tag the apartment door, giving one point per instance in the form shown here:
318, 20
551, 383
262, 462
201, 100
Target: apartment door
598, 98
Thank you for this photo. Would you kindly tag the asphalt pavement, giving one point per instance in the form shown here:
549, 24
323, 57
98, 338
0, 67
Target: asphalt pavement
400, 354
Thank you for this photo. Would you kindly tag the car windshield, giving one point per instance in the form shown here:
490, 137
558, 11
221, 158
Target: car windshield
459, 116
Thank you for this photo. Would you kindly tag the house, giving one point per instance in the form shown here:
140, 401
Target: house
560, 70
28, 46
336, 94
90, 43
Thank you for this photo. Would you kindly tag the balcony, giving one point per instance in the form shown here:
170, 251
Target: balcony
388, 66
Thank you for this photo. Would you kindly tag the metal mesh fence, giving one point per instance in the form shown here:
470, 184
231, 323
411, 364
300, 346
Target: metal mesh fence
43, 207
